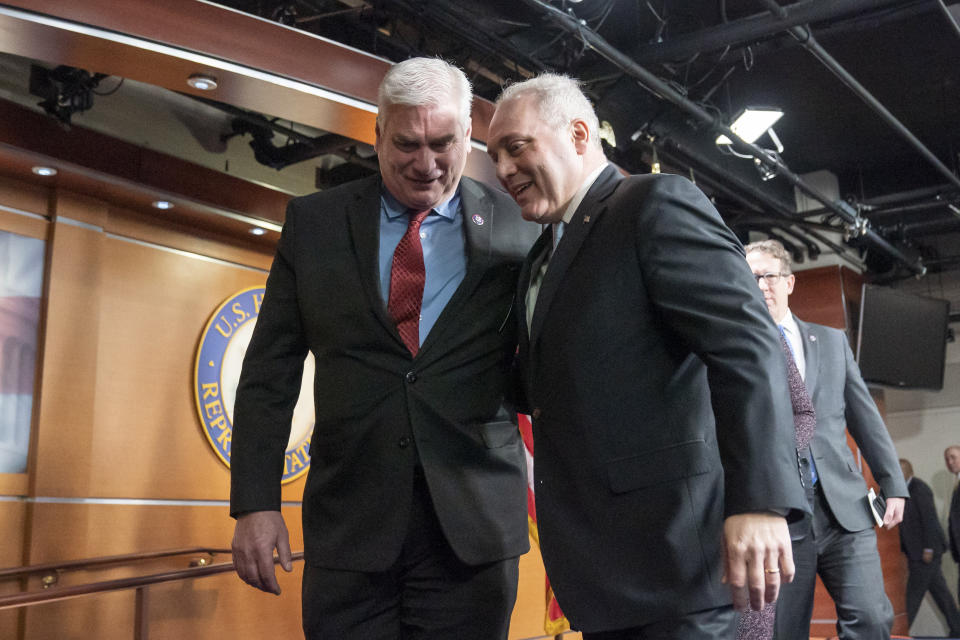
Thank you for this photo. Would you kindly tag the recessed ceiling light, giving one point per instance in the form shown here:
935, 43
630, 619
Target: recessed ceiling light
44, 171
162, 204
202, 82
258, 231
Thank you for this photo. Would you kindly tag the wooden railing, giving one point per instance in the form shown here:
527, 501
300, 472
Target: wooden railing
49, 575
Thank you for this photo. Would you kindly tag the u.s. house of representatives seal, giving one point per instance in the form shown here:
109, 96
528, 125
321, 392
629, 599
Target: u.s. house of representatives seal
217, 372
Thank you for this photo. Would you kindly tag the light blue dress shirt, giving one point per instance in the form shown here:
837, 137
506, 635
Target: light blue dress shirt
444, 253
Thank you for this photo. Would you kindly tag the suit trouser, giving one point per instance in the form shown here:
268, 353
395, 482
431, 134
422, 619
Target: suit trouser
849, 565
428, 594
712, 624
925, 577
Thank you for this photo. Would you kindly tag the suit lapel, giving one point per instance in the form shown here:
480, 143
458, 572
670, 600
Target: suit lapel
811, 353
363, 216
577, 229
477, 211
538, 253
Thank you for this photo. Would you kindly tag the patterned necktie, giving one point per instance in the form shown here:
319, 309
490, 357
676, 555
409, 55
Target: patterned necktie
804, 418
407, 276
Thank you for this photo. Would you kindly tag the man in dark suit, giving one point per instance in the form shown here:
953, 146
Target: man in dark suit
401, 285
923, 542
663, 432
846, 545
951, 457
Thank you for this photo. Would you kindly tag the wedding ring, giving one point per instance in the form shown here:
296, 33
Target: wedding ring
771, 570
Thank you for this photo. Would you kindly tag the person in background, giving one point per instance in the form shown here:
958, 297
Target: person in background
951, 457
846, 555
758, 625
923, 542
663, 439
401, 285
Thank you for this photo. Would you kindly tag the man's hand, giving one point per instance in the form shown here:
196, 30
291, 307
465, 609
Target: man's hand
757, 558
927, 556
894, 513
255, 537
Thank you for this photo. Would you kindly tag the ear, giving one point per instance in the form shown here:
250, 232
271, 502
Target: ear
466, 136
580, 133
376, 144
791, 280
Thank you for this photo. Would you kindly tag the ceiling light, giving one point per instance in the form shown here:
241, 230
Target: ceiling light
258, 231
202, 82
162, 204
44, 171
752, 123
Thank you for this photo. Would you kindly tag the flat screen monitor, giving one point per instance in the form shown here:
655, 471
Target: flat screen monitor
902, 338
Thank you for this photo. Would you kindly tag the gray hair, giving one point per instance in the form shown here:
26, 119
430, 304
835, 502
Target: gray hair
774, 249
559, 99
425, 82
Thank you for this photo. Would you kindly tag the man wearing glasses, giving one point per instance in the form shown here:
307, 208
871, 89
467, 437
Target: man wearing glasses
846, 546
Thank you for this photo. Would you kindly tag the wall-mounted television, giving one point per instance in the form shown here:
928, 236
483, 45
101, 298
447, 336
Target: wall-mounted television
902, 338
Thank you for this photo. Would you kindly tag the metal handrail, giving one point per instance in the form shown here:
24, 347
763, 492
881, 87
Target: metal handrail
65, 593
88, 563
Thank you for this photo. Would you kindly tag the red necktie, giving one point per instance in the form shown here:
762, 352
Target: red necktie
407, 276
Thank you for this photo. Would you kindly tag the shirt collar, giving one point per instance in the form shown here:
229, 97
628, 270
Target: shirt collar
789, 324
394, 209
581, 193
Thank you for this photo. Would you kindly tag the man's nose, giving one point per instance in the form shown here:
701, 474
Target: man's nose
505, 169
425, 160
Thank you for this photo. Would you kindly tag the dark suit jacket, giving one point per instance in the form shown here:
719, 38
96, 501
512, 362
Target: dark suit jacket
921, 528
843, 403
659, 401
378, 409
953, 525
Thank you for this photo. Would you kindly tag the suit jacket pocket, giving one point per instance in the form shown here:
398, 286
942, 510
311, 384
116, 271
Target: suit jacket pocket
658, 466
499, 434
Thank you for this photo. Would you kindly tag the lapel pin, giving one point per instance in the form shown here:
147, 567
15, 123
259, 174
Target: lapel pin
813, 338
477, 219
586, 219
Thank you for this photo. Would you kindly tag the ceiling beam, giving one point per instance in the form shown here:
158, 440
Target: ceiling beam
756, 27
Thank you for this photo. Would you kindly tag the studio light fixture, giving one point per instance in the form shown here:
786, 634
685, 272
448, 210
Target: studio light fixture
752, 123
163, 205
202, 82
44, 171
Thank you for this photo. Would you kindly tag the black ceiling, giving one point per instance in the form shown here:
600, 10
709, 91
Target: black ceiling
660, 70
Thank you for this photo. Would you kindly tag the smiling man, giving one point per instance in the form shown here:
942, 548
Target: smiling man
845, 544
401, 285
664, 447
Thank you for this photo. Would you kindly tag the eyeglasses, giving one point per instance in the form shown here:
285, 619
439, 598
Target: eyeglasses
770, 278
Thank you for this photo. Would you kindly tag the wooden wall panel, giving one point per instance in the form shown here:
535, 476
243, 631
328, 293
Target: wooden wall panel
530, 608
203, 609
65, 424
24, 196
12, 526
23, 225
144, 309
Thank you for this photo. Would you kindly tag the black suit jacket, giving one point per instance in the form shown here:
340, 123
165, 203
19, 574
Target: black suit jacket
920, 528
659, 399
380, 411
953, 525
